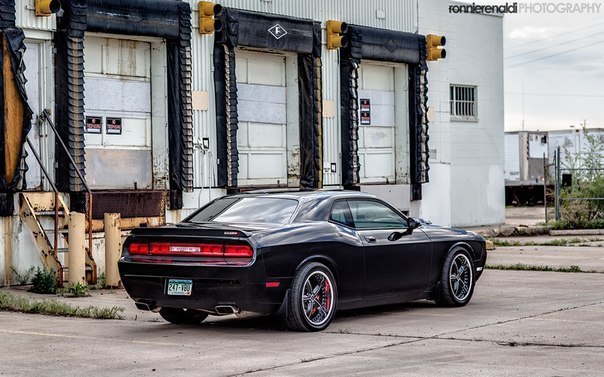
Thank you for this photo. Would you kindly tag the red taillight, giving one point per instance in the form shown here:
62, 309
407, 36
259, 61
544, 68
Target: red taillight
242, 253
238, 251
138, 248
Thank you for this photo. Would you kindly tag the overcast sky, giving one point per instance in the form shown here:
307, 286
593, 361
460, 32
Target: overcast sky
559, 59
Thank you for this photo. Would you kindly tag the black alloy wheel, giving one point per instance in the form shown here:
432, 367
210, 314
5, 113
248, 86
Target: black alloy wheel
312, 300
456, 284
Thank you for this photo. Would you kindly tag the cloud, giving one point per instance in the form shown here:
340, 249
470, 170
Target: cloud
526, 33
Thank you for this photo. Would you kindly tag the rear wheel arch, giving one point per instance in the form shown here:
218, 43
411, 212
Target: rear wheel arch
323, 259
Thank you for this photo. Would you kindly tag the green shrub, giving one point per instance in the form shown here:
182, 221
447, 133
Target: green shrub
583, 224
578, 209
44, 281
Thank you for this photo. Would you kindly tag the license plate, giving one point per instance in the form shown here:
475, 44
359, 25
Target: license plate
179, 287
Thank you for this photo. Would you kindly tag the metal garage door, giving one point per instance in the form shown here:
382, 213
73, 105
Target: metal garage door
376, 123
118, 113
262, 134
35, 89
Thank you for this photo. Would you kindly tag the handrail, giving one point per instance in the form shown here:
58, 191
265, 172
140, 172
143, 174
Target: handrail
56, 191
46, 115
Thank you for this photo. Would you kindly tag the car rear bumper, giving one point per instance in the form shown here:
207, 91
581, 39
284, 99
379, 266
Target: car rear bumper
243, 288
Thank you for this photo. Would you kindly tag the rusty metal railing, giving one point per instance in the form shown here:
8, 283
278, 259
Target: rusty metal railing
46, 115
56, 204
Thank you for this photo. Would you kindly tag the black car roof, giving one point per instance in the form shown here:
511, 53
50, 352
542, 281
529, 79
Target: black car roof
304, 194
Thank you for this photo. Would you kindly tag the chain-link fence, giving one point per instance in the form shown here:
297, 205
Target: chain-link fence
579, 186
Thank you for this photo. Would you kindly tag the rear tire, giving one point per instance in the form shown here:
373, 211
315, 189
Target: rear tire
180, 316
457, 279
312, 301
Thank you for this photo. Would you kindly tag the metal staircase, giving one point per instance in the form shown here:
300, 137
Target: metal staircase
48, 225
46, 213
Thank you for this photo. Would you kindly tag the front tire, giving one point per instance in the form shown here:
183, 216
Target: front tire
312, 301
180, 316
457, 280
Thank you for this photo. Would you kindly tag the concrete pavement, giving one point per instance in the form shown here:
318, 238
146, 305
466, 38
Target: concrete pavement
587, 258
518, 323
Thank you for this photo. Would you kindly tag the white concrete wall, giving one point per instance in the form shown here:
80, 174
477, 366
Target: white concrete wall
472, 153
18, 250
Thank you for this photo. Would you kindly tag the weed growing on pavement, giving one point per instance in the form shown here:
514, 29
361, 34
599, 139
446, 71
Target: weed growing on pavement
24, 277
505, 243
54, 307
74, 290
102, 283
525, 267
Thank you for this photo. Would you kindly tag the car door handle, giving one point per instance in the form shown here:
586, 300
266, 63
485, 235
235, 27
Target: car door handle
370, 238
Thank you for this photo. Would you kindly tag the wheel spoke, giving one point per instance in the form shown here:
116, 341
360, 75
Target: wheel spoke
461, 270
322, 310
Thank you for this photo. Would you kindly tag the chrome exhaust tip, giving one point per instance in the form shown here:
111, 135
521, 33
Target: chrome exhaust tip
226, 309
147, 306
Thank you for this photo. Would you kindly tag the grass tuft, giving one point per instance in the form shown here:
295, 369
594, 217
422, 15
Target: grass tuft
54, 307
558, 242
525, 267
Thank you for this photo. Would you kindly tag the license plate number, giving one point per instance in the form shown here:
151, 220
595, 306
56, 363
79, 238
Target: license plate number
180, 287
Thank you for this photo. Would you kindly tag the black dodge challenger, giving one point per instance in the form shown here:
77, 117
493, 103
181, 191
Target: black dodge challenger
298, 255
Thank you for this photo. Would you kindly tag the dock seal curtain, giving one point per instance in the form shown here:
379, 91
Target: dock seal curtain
250, 29
166, 19
389, 46
15, 121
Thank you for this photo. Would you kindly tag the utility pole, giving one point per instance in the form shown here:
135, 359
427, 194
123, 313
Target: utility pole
522, 105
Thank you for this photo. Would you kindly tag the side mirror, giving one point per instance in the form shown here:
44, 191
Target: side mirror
412, 224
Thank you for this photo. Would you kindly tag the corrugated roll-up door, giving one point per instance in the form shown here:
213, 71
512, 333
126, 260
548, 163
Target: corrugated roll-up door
118, 95
376, 123
31, 59
262, 133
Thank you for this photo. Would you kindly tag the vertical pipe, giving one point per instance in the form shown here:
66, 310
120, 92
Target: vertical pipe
8, 248
93, 277
77, 248
557, 183
56, 229
545, 186
113, 248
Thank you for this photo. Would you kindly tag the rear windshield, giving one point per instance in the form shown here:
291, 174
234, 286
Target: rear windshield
247, 210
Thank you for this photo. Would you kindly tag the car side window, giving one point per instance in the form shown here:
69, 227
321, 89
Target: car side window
369, 214
340, 213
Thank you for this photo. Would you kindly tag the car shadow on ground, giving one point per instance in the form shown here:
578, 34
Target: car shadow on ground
270, 323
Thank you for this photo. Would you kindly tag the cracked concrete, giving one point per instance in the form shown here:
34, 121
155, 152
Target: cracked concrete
518, 323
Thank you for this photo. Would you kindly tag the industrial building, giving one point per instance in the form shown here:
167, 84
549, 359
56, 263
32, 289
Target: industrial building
154, 108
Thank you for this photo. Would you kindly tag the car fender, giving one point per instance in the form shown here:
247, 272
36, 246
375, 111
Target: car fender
463, 245
323, 259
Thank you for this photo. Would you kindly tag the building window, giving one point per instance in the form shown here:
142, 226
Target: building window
463, 102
